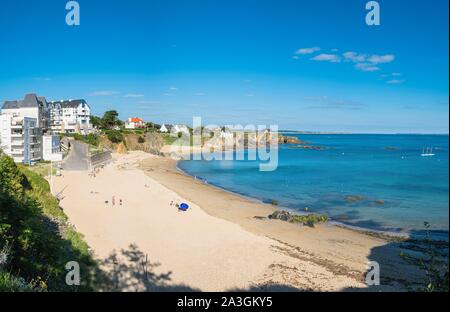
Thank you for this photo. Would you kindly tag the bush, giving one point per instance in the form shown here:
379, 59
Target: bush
141, 140
114, 136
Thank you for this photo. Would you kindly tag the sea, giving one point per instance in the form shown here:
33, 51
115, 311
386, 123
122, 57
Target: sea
375, 182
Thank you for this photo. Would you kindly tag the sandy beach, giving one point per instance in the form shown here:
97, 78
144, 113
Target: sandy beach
223, 242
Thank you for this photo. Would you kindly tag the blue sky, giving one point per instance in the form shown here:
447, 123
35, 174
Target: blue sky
304, 65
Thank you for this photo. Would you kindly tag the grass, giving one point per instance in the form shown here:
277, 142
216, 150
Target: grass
168, 139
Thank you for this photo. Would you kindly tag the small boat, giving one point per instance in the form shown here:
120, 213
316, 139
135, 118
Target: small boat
427, 153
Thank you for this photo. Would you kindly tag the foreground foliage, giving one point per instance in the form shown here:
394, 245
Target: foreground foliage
35, 239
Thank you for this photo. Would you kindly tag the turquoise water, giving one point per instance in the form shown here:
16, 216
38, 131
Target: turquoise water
414, 189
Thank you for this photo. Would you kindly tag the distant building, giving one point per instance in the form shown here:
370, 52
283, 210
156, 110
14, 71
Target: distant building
20, 138
165, 128
134, 123
70, 116
51, 148
179, 128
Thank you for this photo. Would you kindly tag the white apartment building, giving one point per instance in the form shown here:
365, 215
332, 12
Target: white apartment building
31, 106
20, 138
22, 124
70, 116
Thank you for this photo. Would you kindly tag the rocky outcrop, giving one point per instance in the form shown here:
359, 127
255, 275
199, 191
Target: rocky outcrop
353, 198
281, 215
284, 139
307, 219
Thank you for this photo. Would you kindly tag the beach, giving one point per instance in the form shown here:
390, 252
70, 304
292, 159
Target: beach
224, 242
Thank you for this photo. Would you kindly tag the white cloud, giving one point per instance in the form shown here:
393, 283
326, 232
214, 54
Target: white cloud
307, 50
42, 79
380, 59
367, 67
396, 74
295, 57
200, 94
173, 89
354, 57
133, 95
327, 58
103, 93
396, 81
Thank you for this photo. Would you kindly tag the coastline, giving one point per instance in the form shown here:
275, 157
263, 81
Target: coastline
338, 245
224, 242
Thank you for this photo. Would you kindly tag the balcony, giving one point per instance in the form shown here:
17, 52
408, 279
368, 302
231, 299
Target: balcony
17, 143
17, 152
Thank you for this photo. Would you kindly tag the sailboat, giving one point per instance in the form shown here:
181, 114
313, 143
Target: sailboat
427, 153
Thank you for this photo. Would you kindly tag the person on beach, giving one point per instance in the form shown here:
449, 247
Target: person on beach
120, 202
113, 200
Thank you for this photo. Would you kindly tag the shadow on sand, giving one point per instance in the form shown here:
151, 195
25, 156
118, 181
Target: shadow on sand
409, 265
131, 270
399, 262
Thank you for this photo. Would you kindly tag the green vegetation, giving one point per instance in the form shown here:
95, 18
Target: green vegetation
35, 239
115, 136
96, 121
310, 219
110, 120
274, 202
168, 139
90, 139
152, 127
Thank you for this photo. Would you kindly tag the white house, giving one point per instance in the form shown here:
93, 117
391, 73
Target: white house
134, 123
51, 148
165, 128
179, 128
70, 116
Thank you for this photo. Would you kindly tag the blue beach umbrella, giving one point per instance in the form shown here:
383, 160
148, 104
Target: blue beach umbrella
184, 207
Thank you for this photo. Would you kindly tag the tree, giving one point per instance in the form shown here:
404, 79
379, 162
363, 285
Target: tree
96, 121
110, 119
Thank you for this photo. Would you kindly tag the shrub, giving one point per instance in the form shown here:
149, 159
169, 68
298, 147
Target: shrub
114, 136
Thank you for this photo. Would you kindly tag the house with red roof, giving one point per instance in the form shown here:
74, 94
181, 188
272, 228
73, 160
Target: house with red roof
134, 123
